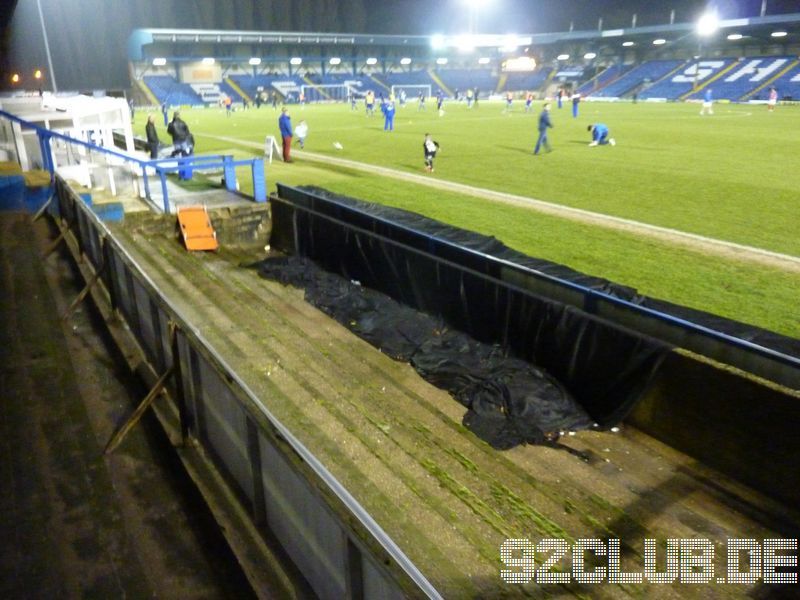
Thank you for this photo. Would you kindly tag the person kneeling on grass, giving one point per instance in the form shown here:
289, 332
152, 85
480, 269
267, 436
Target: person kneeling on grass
430, 147
600, 135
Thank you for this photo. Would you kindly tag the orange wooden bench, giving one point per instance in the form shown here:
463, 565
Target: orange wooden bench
196, 229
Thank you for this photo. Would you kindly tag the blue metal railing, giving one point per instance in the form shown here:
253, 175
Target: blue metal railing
162, 167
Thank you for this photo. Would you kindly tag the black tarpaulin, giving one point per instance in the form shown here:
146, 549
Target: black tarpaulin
509, 401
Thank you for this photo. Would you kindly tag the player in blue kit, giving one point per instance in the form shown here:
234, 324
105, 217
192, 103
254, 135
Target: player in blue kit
600, 135
388, 115
708, 103
544, 124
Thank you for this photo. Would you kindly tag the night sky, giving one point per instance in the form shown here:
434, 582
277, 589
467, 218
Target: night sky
537, 16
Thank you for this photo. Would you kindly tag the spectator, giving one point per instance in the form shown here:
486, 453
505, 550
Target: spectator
285, 125
152, 136
179, 131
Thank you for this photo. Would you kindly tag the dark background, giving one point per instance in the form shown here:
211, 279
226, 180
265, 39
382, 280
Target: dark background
88, 37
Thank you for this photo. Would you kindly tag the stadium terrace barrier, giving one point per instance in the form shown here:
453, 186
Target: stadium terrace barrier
769, 361
144, 168
339, 548
579, 328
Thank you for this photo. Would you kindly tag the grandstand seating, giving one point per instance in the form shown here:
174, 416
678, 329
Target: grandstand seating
788, 86
527, 81
226, 89
650, 71
463, 79
166, 89
749, 74
695, 73
608, 75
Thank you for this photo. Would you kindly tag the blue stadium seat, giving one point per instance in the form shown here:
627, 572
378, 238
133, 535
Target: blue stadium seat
650, 71
695, 73
166, 89
594, 85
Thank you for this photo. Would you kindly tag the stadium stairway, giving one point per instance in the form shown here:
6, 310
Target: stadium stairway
771, 80
238, 90
501, 82
316, 88
724, 71
669, 75
379, 83
433, 75
151, 97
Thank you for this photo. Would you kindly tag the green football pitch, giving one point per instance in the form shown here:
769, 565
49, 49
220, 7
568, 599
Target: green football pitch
730, 177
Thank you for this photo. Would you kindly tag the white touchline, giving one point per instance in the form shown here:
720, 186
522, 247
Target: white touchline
692, 241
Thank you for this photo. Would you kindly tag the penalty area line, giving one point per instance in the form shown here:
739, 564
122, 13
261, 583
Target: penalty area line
691, 241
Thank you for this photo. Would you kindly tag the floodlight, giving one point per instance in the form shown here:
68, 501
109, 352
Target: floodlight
437, 41
295, 60
590, 55
628, 44
735, 36
208, 61
484, 60
159, 62
335, 60
465, 43
37, 74
708, 24
659, 42
405, 61
15, 78
778, 34
255, 61
372, 61
441, 61
563, 57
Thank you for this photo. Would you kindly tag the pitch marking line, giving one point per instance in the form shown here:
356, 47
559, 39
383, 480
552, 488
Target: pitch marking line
692, 241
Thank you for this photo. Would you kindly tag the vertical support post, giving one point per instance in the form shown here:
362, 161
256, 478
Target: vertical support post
164, 190
355, 571
229, 173
259, 181
254, 457
146, 182
672, 17
633, 21
763, 7
180, 391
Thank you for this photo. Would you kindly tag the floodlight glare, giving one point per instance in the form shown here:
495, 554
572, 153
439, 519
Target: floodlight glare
590, 55
208, 61
37, 74
563, 57
437, 41
255, 61
779, 34
335, 60
484, 60
627, 44
15, 78
708, 24
295, 60
441, 61
659, 42
465, 43
405, 61
159, 62
372, 61
735, 36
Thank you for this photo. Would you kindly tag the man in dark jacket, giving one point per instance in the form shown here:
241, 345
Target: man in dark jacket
544, 124
285, 125
152, 136
179, 131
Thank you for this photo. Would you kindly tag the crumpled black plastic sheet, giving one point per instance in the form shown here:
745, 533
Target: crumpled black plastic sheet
509, 401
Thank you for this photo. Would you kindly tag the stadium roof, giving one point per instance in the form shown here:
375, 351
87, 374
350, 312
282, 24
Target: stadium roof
760, 28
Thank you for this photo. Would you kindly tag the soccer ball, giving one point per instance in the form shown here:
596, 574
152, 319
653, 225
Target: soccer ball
338, 146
